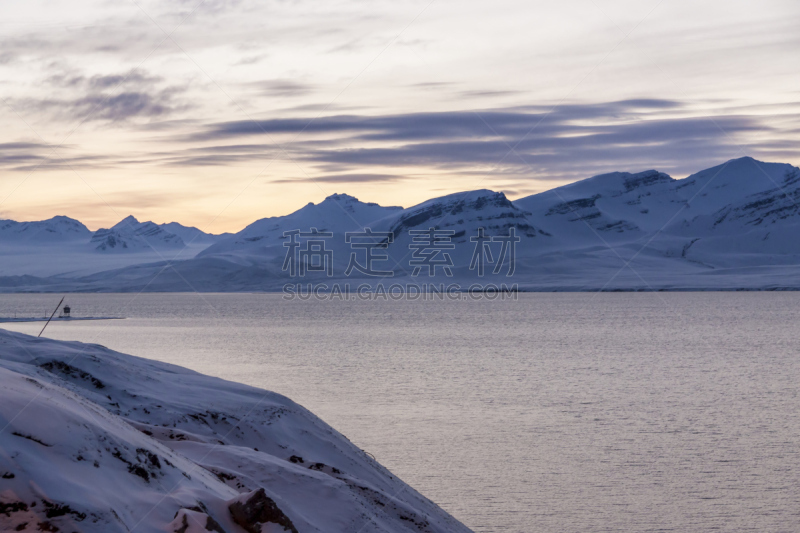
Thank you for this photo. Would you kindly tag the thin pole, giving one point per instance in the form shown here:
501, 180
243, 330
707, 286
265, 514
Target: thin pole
51, 316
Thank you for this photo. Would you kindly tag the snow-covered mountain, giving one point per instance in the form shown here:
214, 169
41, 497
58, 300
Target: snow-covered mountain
59, 229
261, 248
624, 206
759, 229
130, 235
127, 235
730, 226
609, 207
457, 218
338, 213
65, 247
254, 258
98, 441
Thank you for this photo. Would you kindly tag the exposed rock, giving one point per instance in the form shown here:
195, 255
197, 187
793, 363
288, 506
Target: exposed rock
259, 509
194, 521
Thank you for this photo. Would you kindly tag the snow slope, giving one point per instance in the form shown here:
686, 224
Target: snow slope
94, 440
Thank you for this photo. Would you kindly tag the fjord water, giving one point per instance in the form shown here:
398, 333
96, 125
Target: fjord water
555, 412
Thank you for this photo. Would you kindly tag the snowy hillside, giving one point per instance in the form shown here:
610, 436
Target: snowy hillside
98, 441
58, 229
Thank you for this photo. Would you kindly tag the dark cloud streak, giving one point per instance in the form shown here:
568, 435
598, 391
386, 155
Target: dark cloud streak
111, 97
435, 125
570, 142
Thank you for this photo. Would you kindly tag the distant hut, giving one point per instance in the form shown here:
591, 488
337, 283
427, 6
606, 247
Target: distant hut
66, 311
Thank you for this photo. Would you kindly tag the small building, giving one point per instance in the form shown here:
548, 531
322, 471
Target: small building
65, 313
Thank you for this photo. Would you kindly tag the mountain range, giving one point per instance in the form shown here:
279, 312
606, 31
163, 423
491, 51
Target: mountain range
128, 235
732, 226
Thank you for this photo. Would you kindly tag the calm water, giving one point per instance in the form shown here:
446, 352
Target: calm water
557, 412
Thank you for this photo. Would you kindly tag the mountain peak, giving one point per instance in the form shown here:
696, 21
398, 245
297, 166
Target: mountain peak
339, 197
746, 173
350, 202
746, 163
63, 218
126, 223
745, 159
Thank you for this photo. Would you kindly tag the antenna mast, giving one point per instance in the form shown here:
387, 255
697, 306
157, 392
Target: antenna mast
51, 316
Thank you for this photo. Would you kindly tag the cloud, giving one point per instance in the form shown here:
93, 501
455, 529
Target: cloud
106, 107
110, 97
7, 57
119, 38
554, 149
561, 143
432, 84
487, 94
111, 81
27, 162
21, 146
76, 80
208, 7
30, 156
251, 59
21, 154
345, 178
501, 145
438, 126
282, 87
121, 106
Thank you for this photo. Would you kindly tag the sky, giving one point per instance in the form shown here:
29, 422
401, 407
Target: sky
217, 113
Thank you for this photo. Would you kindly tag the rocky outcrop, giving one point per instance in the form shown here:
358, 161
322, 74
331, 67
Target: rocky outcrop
256, 509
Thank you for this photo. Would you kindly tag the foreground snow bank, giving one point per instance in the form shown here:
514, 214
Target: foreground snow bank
95, 440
